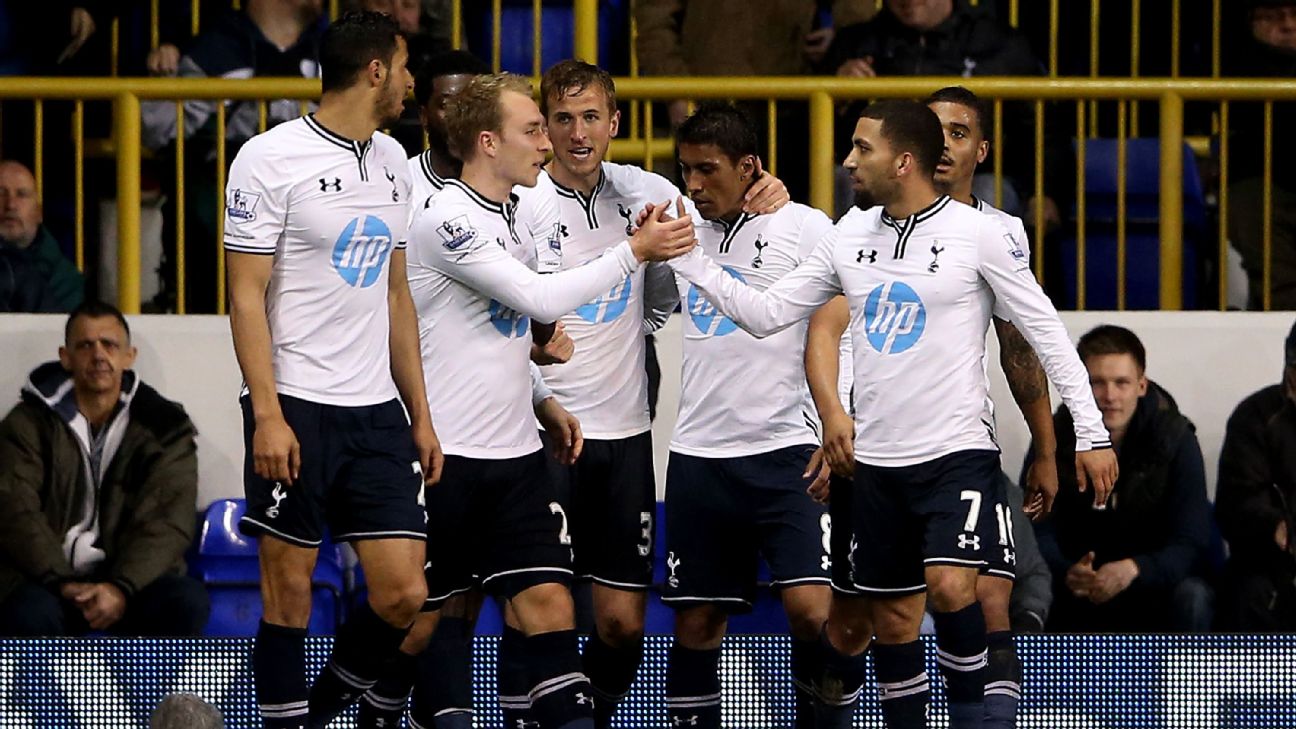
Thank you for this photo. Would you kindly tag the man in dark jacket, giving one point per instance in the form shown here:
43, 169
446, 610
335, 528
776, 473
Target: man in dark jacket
954, 38
1129, 566
1266, 48
99, 486
34, 275
1256, 505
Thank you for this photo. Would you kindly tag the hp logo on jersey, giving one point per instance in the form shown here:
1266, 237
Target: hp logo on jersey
608, 307
361, 251
894, 317
705, 316
508, 322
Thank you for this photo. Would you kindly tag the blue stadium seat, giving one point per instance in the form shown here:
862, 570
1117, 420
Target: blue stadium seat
226, 562
556, 29
1142, 213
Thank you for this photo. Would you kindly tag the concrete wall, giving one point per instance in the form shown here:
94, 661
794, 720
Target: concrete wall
1208, 361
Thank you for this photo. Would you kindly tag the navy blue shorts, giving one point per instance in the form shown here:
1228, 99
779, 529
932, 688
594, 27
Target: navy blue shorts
725, 514
611, 498
903, 519
360, 476
1001, 556
495, 523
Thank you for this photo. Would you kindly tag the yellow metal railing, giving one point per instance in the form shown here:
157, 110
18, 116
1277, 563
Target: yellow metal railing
820, 94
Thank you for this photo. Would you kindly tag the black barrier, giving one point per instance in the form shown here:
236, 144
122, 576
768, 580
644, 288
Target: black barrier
1073, 682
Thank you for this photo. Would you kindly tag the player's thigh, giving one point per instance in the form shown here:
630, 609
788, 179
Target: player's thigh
711, 536
524, 532
543, 608
393, 570
619, 614
378, 492
884, 558
897, 618
292, 513
286, 570
612, 511
795, 532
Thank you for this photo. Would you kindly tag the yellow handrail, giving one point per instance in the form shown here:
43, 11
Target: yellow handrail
823, 94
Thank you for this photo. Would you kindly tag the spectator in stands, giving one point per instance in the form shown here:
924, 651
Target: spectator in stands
1267, 48
264, 38
406, 13
954, 38
99, 486
1128, 565
186, 711
1256, 506
760, 38
34, 274
754, 38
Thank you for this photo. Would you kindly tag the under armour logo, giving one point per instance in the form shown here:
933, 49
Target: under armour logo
1010, 557
392, 179
583, 699
672, 563
825, 563
969, 541
935, 264
760, 245
681, 721
278, 495
872, 256
562, 230
625, 212
334, 186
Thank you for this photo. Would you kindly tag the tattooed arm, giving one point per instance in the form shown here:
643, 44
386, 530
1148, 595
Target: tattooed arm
1029, 386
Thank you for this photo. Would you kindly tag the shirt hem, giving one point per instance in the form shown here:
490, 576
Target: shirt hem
489, 453
356, 401
613, 434
869, 459
747, 449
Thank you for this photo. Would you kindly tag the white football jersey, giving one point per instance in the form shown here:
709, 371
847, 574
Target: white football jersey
330, 210
472, 274
605, 383
921, 291
740, 395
